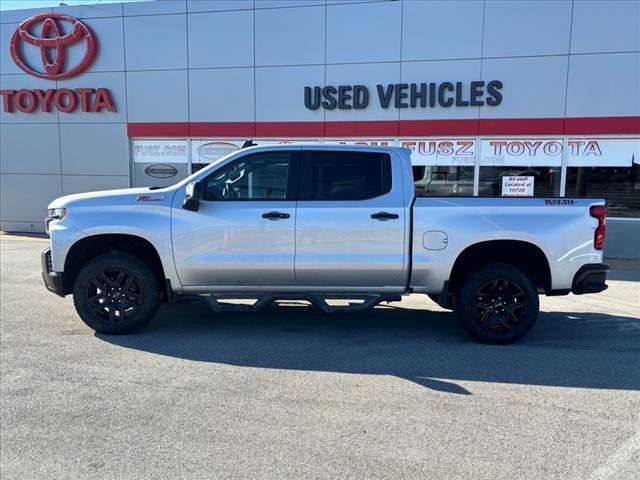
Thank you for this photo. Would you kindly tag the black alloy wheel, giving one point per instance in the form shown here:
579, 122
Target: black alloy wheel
498, 304
116, 293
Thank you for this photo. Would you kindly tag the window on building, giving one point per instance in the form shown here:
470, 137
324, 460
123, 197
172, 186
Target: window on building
431, 180
261, 176
619, 186
509, 181
337, 175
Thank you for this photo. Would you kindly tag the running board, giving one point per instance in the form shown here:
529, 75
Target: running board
319, 301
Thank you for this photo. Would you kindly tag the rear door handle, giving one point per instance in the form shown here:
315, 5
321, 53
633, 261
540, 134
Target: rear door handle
384, 216
275, 215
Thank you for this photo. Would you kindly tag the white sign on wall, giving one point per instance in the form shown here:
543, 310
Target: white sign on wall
160, 151
516, 186
208, 151
522, 152
447, 151
543, 152
548, 152
372, 142
602, 152
286, 141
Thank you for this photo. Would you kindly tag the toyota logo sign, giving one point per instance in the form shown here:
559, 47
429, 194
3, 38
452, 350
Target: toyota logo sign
53, 43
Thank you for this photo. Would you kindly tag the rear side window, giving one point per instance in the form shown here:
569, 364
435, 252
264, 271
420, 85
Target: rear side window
343, 175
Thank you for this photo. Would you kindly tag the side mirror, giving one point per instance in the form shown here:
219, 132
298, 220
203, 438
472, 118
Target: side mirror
193, 195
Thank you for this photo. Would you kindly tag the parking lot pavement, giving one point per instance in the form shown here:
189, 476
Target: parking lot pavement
290, 393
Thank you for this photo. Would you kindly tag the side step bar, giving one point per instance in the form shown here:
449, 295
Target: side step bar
319, 301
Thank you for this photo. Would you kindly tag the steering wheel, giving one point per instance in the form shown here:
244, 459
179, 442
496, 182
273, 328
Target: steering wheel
230, 192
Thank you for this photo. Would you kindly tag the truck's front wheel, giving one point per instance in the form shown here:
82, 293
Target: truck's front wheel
498, 304
116, 293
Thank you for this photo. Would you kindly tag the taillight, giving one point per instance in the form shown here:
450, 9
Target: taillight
599, 212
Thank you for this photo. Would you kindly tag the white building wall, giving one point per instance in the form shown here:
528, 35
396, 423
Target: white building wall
248, 61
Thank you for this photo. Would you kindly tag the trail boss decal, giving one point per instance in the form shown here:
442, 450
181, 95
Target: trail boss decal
151, 198
560, 201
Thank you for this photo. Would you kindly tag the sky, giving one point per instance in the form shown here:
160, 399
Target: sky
21, 4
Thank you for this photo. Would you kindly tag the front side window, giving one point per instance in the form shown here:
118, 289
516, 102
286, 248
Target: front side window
343, 175
260, 176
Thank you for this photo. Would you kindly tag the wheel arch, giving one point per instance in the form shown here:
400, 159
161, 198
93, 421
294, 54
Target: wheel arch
521, 254
92, 246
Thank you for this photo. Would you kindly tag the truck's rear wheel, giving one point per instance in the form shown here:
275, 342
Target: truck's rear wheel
116, 293
498, 304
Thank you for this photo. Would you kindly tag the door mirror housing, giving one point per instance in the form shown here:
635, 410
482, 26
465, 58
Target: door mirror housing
193, 195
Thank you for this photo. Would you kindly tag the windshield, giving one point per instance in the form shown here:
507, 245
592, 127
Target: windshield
212, 166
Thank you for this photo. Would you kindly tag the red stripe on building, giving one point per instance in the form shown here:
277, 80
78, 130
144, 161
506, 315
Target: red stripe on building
222, 129
290, 129
596, 125
402, 128
158, 129
382, 128
521, 126
431, 128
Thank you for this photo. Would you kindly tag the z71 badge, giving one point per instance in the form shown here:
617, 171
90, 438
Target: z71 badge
150, 198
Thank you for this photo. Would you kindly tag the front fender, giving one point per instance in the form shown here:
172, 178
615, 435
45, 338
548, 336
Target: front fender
149, 222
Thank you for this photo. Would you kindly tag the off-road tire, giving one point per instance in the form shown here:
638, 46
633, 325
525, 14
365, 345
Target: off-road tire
116, 293
498, 304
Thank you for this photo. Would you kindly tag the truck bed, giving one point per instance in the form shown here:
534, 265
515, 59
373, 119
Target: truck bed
444, 226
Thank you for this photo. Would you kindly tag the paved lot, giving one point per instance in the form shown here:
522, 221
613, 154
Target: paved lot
289, 393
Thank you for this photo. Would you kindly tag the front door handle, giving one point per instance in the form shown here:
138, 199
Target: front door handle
385, 216
275, 215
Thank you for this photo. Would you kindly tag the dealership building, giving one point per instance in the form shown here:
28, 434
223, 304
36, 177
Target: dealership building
494, 98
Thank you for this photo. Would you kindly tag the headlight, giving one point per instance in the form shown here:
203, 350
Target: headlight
57, 213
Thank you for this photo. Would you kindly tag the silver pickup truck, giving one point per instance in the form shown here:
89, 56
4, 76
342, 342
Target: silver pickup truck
320, 223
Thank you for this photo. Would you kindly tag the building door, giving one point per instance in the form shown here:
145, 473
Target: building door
350, 221
243, 234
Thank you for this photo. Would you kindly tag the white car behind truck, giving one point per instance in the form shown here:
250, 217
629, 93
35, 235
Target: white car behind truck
320, 222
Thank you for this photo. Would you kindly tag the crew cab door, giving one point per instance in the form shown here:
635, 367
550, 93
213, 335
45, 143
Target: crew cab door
243, 234
350, 221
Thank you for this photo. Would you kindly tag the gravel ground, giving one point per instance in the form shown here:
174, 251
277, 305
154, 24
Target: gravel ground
398, 393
